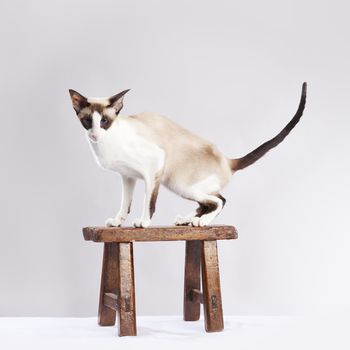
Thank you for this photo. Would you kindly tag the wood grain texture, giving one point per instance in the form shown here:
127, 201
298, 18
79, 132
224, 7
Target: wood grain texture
112, 301
213, 315
167, 233
109, 283
196, 296
191, 308
117, 292
127, 311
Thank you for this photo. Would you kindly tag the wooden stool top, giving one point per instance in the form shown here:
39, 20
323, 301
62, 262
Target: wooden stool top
161, 233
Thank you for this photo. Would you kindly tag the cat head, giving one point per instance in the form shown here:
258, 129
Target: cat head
97, 114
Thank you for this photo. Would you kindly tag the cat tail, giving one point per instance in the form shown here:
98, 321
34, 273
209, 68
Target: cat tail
252, 157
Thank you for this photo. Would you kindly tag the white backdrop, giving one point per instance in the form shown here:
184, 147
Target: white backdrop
230, 71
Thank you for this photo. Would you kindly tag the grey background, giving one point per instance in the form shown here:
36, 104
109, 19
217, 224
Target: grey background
230, 71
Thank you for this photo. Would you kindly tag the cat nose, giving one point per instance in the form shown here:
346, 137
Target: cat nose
93, 137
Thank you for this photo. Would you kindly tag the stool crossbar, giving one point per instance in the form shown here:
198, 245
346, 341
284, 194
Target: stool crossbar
117, 291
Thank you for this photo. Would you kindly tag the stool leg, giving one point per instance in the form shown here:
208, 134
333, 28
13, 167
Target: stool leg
127, 311
211, 288
109, 283
192, 279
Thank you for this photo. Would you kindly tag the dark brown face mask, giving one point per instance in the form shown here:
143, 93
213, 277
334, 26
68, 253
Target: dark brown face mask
85, 108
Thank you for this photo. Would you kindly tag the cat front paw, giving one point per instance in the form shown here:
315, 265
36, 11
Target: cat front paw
113, 222
142, 223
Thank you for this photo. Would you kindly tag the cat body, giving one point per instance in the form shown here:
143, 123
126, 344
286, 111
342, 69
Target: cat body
153, 148
139, 147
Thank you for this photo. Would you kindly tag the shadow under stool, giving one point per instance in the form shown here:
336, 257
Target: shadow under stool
117, 293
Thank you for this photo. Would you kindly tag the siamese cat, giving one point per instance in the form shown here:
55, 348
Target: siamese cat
153, 148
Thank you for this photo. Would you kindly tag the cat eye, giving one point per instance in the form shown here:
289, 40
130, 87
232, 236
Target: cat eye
87, 122
104, 120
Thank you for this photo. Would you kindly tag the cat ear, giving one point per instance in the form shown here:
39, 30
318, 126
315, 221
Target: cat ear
79, 101
116, 101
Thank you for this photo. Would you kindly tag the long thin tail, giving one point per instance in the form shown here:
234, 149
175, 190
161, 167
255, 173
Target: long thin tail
252, 157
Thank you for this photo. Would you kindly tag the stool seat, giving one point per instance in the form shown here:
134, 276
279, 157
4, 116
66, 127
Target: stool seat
164, 233
117, 292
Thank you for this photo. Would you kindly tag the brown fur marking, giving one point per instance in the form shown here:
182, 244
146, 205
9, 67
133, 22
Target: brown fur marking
117, 101
206, 208
252, 157
85, 116
86, 107
106, 122
79, 101
152, 203
222, 198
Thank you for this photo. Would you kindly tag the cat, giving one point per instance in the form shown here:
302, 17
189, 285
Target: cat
153, 148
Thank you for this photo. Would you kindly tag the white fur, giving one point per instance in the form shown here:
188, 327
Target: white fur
121, 149
210, 184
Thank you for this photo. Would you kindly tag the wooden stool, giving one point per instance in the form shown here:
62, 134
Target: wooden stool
117, 291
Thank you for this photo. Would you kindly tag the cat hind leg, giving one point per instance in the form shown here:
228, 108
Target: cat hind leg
210, 206
208, 209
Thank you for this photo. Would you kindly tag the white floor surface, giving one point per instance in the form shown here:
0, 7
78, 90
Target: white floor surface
241, 332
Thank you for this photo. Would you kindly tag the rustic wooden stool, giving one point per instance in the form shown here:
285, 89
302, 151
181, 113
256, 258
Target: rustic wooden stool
117, 293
